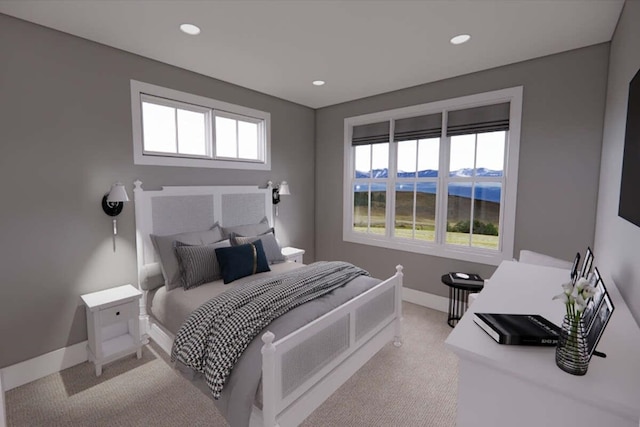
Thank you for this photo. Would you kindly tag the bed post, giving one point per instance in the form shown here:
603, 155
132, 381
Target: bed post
268, 380
144, 316
397, 338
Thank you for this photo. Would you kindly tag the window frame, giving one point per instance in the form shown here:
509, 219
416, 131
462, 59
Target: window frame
439, 247
188, 101
237, 118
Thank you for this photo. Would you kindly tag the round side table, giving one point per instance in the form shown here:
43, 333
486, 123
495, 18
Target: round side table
458, 298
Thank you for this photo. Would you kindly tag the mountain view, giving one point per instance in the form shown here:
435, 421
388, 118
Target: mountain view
486, 191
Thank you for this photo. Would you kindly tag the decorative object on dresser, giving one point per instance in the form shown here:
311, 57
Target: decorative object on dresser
113, 324
518, 329
588, 309
112, 204
587, 263
292, 254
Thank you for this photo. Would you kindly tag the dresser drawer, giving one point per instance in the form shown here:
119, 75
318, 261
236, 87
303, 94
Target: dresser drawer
118, 313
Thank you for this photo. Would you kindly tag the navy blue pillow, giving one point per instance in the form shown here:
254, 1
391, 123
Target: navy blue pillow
241, 261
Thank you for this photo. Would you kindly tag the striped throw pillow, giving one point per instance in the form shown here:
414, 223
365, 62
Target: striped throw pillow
198, 263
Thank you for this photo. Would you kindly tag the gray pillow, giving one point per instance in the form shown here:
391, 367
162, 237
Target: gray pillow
198, 263
269, 243
247, 229
168, 261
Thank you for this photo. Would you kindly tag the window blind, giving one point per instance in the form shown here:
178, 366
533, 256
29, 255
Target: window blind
488, 118
371, 133
420, 127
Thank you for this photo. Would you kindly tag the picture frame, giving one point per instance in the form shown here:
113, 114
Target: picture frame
593, 304
587, 263
574, 268
600, 321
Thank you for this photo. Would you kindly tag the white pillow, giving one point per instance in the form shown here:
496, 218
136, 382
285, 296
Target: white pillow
530, 257
247, 229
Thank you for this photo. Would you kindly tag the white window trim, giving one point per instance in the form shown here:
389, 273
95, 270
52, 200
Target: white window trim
139, 89
144, 97
238, 117
507, 209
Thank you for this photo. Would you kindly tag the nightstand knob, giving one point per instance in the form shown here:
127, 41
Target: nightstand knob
117, 313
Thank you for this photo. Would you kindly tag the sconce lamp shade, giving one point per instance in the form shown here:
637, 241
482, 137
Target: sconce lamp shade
118, 193
284, 189
113, 201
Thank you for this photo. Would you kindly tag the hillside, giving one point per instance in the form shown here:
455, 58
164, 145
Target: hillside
459, 208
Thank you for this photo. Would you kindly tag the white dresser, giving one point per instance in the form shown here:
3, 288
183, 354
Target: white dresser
112, 324
521, 386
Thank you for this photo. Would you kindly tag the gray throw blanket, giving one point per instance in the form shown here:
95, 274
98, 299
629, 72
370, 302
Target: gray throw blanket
214, 336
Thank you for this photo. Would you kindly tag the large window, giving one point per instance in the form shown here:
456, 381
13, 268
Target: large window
436, 178
180, 129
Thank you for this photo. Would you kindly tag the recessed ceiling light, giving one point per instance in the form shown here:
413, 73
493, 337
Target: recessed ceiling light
462, 38
318, 82
190, 29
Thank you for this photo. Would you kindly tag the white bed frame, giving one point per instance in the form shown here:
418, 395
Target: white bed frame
363, 325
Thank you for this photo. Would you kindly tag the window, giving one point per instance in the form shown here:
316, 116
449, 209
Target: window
179, 129
437, 178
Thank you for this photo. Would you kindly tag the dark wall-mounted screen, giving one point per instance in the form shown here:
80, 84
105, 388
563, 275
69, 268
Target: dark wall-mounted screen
629, 207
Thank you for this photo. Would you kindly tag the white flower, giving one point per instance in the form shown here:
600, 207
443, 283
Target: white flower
581, 283
563, 297
575, 296
580, 303
568, 288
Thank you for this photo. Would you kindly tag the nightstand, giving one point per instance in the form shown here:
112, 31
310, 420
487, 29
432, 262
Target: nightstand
292, 254
112, 324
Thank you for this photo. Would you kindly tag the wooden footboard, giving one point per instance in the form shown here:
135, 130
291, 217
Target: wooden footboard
301, 370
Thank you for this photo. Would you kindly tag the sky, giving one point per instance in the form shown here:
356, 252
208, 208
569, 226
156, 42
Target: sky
490, 153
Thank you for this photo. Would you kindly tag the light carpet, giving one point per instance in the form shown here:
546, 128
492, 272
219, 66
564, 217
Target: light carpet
414, 385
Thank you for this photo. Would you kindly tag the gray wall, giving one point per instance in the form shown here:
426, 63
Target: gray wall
617, 240
65, 132
561, 138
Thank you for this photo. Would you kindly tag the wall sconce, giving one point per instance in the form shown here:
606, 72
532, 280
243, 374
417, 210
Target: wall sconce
112, 204
281, 189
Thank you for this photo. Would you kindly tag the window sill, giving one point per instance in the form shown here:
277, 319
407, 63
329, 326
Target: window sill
141, 159
461, 253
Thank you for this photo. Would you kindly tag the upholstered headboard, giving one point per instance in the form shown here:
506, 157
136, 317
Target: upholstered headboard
176, 209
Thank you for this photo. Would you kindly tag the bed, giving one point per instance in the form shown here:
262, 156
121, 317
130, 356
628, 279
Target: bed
299, 359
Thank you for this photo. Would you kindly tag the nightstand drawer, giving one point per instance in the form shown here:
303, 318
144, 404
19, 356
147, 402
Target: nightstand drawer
118, 313
292, 254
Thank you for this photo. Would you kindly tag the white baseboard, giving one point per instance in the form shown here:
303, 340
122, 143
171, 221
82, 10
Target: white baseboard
425, 299
39, 367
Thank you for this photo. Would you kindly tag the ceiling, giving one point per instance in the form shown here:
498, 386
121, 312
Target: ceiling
359, 47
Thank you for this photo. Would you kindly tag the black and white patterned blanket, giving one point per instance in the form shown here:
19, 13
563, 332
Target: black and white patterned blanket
214, 336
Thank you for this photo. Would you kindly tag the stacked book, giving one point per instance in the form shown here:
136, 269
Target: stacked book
518, 329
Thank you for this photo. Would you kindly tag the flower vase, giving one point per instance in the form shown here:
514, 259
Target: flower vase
571, 353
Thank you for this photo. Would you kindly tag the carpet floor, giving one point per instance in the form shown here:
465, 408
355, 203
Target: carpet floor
414, 385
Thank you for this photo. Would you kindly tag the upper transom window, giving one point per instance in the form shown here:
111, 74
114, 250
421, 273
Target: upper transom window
175, 128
